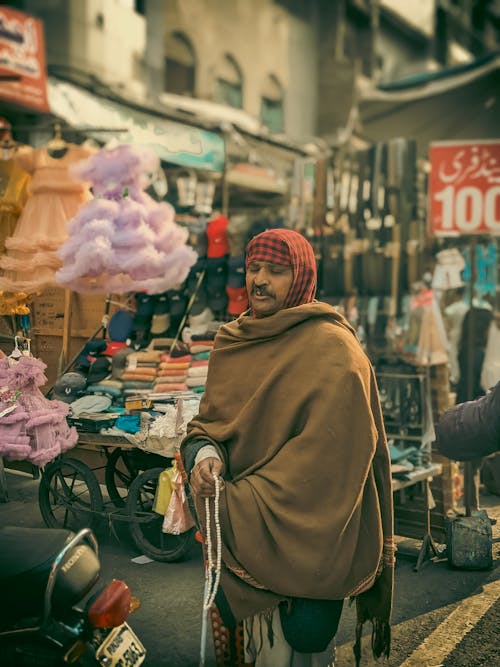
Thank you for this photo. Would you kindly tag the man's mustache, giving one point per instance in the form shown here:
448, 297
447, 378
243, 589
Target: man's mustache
262, 291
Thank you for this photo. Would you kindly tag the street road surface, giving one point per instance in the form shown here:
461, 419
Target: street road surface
442, 617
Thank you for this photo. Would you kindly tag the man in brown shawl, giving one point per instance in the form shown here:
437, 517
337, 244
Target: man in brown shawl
291, 422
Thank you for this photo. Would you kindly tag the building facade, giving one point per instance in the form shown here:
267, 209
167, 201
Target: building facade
293, 65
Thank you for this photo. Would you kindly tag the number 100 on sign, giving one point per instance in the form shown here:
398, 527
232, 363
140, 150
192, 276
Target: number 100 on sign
464, 188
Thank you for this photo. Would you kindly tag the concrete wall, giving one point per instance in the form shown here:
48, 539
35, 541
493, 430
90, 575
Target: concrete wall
122, 48
262, 38
105, 38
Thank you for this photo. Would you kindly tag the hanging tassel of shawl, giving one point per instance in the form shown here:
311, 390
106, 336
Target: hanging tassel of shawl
375, 605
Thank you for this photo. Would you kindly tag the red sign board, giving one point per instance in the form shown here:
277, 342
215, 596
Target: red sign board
464, 188
23, 73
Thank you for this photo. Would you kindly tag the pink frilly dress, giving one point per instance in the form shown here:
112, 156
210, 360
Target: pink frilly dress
29, 261
36, 429
123, 240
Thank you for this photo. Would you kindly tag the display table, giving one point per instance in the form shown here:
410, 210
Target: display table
425, 476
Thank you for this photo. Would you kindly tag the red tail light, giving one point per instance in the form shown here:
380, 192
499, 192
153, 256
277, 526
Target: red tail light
112, 606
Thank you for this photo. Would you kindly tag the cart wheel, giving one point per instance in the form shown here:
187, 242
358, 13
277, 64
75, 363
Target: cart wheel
121, 470
146, 525
68, 495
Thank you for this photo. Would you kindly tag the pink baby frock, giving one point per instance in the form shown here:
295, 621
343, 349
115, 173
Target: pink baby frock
30, 260
123, 240
32, 427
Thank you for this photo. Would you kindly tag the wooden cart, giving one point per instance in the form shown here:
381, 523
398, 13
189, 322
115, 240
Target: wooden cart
71, 494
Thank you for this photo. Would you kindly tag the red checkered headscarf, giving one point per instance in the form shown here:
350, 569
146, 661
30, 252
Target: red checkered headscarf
287, 248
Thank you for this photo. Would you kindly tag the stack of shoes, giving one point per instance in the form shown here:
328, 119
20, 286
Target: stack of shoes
141, 371
172, 373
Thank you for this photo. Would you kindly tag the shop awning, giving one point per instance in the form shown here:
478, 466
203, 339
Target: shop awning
457, 103
174, 142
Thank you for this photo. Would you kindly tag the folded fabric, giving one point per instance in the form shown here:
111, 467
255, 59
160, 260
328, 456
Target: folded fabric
109, 383
139, 377
196, 381
170, 379
197, 363
201, 356
165, 388
185, 358
144, 364
151, 372
107, 390
197, 347
167, 373
90, 403
137, 384
147, 355
129, 423
174, 366
198, 371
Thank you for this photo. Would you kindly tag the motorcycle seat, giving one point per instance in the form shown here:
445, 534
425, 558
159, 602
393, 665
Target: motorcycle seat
26, 557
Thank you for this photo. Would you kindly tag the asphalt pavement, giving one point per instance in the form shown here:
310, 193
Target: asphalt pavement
442, 617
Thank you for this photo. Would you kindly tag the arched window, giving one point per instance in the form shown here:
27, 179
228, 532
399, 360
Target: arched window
229, 83
180, 64
271, 107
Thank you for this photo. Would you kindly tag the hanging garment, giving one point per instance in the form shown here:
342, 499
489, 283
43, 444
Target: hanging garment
36, 429
14, 182
447, 273
30, 261
454, 316
490, 372
123, 241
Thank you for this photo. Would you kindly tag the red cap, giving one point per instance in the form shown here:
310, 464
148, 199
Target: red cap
238, 300
218, 245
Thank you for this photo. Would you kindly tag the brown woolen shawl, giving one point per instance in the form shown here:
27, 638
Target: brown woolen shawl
292, 406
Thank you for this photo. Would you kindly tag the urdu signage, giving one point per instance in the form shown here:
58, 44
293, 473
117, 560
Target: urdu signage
464, 188
23, 74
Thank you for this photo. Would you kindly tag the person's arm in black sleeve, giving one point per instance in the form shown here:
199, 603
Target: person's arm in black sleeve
471, 430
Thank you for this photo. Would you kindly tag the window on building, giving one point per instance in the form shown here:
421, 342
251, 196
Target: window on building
180, 65
271, 108
140, 7
229, 83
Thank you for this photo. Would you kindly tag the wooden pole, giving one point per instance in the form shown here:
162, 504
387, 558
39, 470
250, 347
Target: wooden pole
66, 338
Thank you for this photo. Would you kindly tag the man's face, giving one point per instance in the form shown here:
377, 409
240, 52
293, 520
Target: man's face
268, 285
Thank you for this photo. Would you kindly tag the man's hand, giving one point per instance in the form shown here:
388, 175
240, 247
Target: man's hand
201, 480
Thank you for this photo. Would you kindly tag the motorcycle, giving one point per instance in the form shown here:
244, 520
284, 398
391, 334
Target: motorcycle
53, 612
